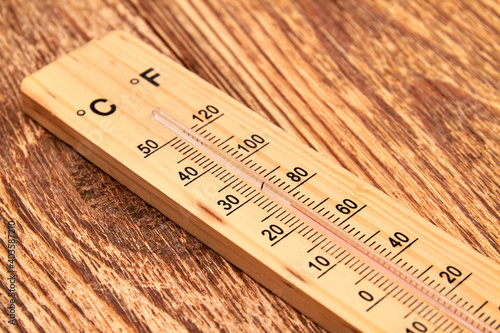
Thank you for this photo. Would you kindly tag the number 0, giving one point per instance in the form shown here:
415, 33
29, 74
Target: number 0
366, 296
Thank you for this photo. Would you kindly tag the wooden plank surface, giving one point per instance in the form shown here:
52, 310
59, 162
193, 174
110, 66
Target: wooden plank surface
404, 95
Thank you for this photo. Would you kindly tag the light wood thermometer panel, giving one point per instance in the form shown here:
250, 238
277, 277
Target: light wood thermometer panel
332, 246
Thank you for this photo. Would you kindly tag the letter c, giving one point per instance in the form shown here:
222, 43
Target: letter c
102, 100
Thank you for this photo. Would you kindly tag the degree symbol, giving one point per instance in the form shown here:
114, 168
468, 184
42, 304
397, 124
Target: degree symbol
80, 112
134, 81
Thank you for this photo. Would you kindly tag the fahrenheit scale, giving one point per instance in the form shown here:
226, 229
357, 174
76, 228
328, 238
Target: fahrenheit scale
332, 246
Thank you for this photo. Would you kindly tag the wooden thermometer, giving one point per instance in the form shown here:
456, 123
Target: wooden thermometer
326, 242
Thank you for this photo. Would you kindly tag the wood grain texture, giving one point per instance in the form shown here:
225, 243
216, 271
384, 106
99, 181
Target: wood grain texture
404, 95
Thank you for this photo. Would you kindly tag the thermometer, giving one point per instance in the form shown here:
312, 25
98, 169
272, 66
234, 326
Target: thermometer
331, 245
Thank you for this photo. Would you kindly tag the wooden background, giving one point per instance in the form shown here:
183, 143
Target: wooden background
404, 94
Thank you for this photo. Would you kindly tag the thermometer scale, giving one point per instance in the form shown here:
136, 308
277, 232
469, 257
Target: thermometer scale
332, 246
